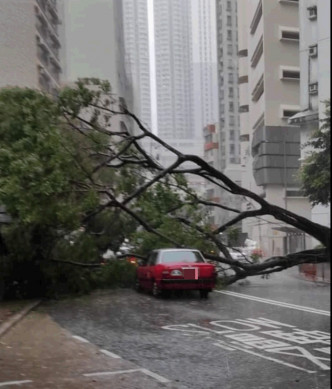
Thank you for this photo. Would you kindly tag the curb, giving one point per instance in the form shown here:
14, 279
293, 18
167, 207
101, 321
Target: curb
315, 281
17, 317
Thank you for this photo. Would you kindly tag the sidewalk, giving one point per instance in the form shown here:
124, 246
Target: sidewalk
36, 353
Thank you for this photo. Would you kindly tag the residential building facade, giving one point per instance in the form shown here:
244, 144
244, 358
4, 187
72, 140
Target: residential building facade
137, 56
30, 46
228, 99
213, 193
173, 59
87, 23
269, 90
315, 80
204, 63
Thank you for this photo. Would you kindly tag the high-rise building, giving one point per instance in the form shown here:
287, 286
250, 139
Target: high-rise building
269, 76
95, 44
204, 63
137, 56
173, 59
315, 78
228, 99
30, 47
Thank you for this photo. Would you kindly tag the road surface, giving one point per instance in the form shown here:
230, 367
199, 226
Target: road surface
260, 334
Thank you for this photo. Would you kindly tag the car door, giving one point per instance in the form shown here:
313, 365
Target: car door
146, 271
149, 271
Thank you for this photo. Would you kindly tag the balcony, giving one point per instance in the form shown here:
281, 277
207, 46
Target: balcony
256, 19
47, 17
258, 90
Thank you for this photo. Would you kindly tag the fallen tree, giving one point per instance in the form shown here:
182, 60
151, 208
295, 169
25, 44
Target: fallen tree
92, 106
77, 179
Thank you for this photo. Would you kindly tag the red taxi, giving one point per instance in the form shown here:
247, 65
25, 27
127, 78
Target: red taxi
176, 269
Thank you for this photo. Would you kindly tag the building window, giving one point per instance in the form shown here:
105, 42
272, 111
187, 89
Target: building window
244, 108
230, 78
312, 12
295, 193
244, 138
289, 74
289, 34
229, 49
230, 92
243, 79
229, 35
296, 2
231, 106
313, 51
229, 8
229, 20
287, 113
242, 53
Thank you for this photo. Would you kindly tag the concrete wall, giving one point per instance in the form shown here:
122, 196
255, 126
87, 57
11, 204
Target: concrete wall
18, 50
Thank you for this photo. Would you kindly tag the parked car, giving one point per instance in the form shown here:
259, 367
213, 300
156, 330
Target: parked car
176, 269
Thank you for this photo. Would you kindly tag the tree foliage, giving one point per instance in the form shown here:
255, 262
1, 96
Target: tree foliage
54, 181
159, 207
315, 173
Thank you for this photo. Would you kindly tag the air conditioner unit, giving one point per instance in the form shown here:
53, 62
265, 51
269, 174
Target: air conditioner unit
313, 50
313, 88
312, 12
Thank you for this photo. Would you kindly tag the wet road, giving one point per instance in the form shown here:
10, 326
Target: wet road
263, 334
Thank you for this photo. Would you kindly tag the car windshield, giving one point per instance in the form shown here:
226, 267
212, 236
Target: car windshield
181, 256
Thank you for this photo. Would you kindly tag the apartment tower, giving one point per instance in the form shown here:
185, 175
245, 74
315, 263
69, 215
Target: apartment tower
227, 138
315, 80
269, 90
30, 47
137, 56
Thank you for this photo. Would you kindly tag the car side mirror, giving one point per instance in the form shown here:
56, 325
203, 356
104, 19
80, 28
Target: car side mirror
141, 262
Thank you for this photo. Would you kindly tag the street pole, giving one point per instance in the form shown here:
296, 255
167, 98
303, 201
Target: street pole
285, 170
285, 185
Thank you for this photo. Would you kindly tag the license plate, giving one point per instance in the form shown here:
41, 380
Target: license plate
190, 274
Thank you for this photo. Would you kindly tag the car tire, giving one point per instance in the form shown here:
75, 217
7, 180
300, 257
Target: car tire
204, 294
156, 291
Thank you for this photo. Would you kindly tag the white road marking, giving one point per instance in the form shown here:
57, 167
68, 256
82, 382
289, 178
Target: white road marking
221, 345
144, 371
110, 354
274, 302
102, 373
15, 382
155, 376
270, 359
80, 339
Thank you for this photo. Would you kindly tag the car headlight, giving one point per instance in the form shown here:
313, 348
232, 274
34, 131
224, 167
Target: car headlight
176, 273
